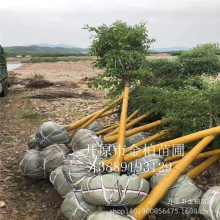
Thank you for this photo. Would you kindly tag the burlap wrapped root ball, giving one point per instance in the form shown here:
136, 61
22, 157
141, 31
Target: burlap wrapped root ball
182, 194
135, 138
85, 138
95, 126
30, 165
32, 143
115, 190
59, 181
51, 133
53, 156
106, 216
144, 164
76, 208
84, 163
210, 204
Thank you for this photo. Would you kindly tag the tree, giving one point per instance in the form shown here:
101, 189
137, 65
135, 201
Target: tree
200, 60
183, 90
121, 50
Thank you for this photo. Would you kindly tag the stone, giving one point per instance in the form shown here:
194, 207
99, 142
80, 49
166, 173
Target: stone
2, 204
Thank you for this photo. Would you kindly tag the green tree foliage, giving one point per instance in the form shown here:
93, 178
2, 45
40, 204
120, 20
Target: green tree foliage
121, 50
188, 96
201, 60
184, 91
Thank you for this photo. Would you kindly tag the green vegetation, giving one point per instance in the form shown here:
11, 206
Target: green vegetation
121, 50
38, 76
55, 59
38, 51
31, 115
183, 90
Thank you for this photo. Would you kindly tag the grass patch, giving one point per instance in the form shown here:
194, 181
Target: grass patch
31, 115
56, 59
38, 76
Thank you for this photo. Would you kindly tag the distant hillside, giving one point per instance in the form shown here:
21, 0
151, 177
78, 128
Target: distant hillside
168, 49
43, 49
53, 45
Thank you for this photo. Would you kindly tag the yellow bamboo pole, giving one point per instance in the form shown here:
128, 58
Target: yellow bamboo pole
84, 120
79, 123
203, 155
135, 121
145, 141
109, 113
116, 126
163, 186
119, 154
132, 115
150, 173
107, 129
193, 173
97, 115
110, 139
169, 144
138, 144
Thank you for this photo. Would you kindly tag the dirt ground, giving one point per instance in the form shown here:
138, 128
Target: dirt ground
24, 109
21, 112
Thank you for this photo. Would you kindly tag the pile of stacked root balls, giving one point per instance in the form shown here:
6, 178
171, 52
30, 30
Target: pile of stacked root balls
118, 171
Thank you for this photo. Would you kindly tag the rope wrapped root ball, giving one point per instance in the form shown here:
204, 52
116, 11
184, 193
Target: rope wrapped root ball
32, 143
106, 216
59, 182
84, 163
115, 190
30, 165
53, 156
95, 126
144, 164
85, 138
210, 204
182, 194
135, 138
51, 133
74, 206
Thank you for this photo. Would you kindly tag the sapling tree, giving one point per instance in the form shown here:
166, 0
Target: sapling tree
121, 50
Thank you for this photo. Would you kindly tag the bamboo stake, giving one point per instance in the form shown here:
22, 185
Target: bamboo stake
163, 186
97, 115
116, 126
193, 173
138, 144
135, 121
169, 144
145, 141
113, 138
121, 134
79, 123
108, 113
150, 173
206, 154
84, 120
107, 129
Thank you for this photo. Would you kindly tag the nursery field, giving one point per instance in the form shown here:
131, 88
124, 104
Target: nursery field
63, 97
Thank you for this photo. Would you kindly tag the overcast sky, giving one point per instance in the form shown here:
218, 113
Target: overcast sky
171, 22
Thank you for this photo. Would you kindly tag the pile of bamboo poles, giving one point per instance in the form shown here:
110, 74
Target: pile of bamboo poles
178, 163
